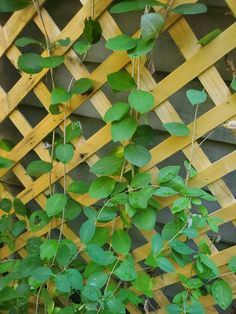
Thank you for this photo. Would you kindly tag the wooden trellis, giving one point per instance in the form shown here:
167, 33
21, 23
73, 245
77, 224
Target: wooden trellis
199, 63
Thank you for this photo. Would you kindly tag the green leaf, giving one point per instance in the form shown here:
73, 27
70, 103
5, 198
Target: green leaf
164, 264
62, 283
59, 95
107, 214
180, 247
145, 135
52, 62
121, 81
177, 128
99, 256
140, 199
196, 308
38, 220
87, 231
190, 8
121, 241
145, 219
140, 180
48, 249
8, 293
124, 129
97, 279
209, 37
121, 42
128, 6
38, 168
180, 204
102, 187
63, 255
107, 165
30, 63
5, 205
173, 309
115, 306
151, 25
72, 209
13, 5
82, 86
157, 243
165, 192
169, 230
19, 207
144, 283
118, 111
168, 173
78, 187
6, 145
142, 48
55, 204
222, 293
73, 131
190, 233
196, 97
209, 263
232, 264
25, 41
126, 270
76, 280
81, 47
137, 155
64, 152
64, 42
17, 228
100, 237
141, 101
233, 84
92, 31
54, 109
42, 274
91, 293
192, 171
5, 163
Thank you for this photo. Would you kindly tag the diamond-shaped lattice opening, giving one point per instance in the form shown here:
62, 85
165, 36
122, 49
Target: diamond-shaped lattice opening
96, 55
61, 77
205, 23
32, 30
90, 126
87, 109
12, 74
164, 47
225, 237
184, 108
12, 183
4, 17
62, 12
9, 131
32, 110
229, 179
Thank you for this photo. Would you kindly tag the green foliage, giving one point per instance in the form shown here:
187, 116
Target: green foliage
64, 152
196, 97
6, 145
107, 165
55, 204
92, 31
121, 241
121, 42
222, 293
177, 128
189, 8
151, 25
209, 37
102, 187
38, 167
5, 163
82, 86
141, 101
137, 155
13, 5
81, 47
121, 81
124, 129
117, 112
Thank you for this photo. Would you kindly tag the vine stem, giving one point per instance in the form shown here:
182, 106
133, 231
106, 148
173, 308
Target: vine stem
192, 145
37, 300
172, 239
108, 281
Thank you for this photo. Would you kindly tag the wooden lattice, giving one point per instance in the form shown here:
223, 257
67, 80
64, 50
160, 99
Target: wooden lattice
199, 63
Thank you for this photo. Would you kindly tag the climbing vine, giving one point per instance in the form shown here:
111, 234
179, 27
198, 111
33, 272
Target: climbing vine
107, 278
